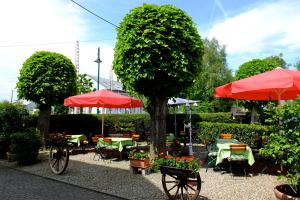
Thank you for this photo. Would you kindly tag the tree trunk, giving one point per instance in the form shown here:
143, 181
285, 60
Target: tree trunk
44, 121
158, 112
254, 117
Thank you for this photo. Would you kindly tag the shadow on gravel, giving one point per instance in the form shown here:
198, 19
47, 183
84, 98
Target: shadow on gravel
103, 178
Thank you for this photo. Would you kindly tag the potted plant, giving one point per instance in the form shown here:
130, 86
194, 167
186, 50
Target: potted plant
284, 147
139, 159
180, 175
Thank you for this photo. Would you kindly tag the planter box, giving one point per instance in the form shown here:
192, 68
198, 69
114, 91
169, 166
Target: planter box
140, 162
284, 192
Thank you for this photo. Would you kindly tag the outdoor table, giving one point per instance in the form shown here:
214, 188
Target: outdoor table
77, 139
117, 142
224, 150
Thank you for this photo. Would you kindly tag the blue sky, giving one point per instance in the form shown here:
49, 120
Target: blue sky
248, 28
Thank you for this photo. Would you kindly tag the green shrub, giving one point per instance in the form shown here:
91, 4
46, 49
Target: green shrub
284, 142
13, 117
25, 145
243, 132
221, 117
91, 124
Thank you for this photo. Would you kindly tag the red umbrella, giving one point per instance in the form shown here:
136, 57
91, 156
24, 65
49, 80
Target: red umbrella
104, 99
277, 84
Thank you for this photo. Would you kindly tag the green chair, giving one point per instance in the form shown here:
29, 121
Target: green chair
212, 152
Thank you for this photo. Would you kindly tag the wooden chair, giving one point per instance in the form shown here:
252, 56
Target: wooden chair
225, 136
237, 155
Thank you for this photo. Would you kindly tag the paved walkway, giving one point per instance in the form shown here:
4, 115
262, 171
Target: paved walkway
17, 185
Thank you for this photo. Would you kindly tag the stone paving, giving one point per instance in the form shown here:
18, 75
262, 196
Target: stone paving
17, 185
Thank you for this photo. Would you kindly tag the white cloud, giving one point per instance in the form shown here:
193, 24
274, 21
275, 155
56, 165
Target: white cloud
51, 25
269, 26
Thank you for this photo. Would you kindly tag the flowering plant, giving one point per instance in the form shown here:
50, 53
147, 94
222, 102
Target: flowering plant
183, 162
138, 154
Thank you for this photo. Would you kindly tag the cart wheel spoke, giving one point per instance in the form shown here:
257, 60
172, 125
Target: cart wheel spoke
181, 194
176, 192
172, 188
191, 187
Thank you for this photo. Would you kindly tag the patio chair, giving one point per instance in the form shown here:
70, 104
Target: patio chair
225, 136
105, 150
237, 156
212, 152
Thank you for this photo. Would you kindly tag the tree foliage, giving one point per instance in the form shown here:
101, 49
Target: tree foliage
297, 65
214, 74
158, 47
158, 54
47, 78
84, 84
251, 68
278, 60
254, 67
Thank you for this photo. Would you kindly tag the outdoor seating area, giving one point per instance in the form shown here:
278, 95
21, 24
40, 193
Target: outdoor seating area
182, 108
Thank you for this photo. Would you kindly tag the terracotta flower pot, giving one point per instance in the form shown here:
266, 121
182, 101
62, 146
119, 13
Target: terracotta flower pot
284, 192
139, 162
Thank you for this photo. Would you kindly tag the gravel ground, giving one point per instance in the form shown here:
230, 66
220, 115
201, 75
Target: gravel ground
115, 178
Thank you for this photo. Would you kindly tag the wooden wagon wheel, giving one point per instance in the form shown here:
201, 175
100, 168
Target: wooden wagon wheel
58, 159
181, 187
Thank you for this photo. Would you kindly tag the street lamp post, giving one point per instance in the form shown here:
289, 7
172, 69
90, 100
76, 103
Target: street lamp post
189, 113
98, 61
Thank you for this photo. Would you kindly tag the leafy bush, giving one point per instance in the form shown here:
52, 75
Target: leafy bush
138, 154
243, 132
284, 142
13, 117
221, 117
25, 145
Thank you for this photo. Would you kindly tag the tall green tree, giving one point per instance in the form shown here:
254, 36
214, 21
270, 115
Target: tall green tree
46, 78
251, 68
297, 65
278, 60
84, 84
215, 73
158, 54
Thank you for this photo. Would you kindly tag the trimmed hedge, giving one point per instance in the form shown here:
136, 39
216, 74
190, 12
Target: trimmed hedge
90, 124
243, 132
221, 117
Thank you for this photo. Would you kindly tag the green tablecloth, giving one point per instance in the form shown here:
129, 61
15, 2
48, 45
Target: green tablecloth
118, 143
77, 139
224, 150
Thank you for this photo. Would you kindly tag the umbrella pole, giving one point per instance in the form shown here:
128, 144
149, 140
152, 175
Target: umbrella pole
102, 125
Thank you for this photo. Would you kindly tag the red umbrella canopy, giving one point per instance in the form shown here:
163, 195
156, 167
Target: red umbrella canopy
102, 98
277, 84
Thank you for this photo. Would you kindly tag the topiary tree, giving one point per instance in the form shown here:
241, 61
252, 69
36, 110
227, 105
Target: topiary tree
158, 54
46, 78
251, 68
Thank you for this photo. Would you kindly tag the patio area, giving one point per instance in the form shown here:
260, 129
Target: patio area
114, 177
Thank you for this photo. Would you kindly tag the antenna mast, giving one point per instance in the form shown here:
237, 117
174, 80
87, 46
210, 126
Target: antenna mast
77, 56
